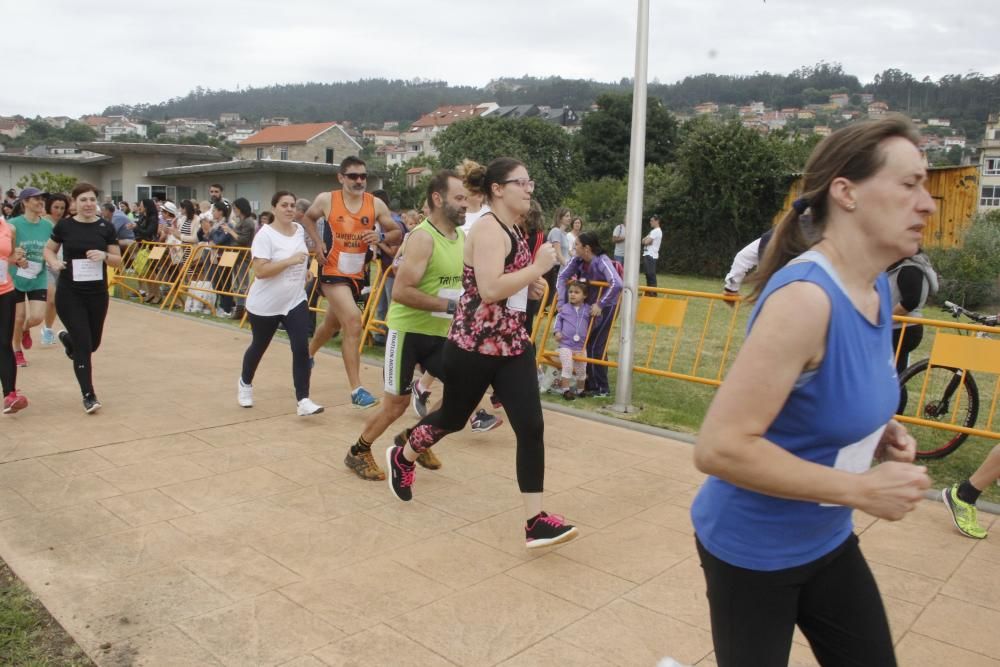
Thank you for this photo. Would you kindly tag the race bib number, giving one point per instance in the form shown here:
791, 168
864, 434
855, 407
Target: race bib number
30, 271
296, 275
85, 270
519, 302
451, 294
3, 271
857, 458
351, 263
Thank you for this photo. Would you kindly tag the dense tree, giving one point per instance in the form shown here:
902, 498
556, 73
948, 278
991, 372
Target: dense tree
546, 150
732, 182
605, 136
48, 181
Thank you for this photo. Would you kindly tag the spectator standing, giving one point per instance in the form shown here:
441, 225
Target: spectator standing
575, 229
651, 250
618, 238
593, 264
560, 240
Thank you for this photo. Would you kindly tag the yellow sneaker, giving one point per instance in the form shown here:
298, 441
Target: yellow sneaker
962, 513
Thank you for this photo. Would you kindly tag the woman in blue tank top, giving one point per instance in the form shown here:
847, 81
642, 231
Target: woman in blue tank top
790, 438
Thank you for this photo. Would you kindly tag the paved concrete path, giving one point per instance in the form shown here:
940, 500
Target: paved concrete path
175, 528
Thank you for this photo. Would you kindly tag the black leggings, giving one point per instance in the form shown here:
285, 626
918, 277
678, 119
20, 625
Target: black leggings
83, 314
834, 600
515, 384
296, 323
8, 368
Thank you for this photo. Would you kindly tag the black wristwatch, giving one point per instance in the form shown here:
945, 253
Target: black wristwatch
452, 305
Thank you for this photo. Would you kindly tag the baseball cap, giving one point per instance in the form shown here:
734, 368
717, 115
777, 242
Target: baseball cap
28, 193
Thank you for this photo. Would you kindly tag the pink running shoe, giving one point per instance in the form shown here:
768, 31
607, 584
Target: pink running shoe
543, 530
19, 359
26, 341
14, 402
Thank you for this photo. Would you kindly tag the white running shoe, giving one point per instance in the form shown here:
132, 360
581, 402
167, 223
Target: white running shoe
244, 394
307, 407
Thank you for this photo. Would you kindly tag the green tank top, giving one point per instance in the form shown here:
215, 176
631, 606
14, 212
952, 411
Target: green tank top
443, 277
32, 236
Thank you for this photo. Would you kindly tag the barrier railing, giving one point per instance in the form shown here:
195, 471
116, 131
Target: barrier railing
149, 267
664, 319
212, 272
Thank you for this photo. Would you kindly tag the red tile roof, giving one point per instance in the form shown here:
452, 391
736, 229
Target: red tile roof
287, 134
447, 115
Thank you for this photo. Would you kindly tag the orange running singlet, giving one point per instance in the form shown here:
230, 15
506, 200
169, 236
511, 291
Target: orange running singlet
347, 256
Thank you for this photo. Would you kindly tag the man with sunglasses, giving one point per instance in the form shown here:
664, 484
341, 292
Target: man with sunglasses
356, 220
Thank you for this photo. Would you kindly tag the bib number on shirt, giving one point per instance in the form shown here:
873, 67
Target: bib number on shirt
351, 263
85, 270
30, 271
296, 275
519, 302
857, 458
3, 271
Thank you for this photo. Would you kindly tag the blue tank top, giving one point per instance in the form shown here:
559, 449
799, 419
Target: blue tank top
834, 416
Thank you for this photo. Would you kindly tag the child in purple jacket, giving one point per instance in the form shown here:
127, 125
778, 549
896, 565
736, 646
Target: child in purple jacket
572, 323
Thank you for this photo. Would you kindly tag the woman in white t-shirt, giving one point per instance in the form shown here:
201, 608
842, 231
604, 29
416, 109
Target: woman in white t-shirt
575, 229
278, 296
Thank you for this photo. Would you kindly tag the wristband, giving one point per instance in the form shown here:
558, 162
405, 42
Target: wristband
381, 236
452, 306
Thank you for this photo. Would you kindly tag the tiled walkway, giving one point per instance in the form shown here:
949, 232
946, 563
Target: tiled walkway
175, 528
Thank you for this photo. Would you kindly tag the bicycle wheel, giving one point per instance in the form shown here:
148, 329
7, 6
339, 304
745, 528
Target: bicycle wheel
945, 389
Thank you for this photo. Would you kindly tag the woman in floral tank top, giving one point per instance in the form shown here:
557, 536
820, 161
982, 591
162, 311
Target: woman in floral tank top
489, 344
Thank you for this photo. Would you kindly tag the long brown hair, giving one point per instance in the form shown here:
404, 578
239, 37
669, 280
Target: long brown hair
854, 153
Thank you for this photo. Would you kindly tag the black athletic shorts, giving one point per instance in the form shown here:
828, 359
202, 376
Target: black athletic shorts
403, 351
32, 295
353, 283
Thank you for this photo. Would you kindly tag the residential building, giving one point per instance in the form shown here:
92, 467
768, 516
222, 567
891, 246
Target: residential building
706, 107
13, 127
989, 164
514, 111
757, 107
565, 117
398, 154
381, 137
236, 133
414, 174
840, 99
390, 125
58, 121
307, 142
957, 140
226, 118
866, 98
938, 122
186, 127
276, 120
822, 130
54, 149
791, 113
805, 114
120, 126
877, 109
425, 128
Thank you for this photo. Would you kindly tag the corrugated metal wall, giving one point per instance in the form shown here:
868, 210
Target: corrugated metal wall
956, 193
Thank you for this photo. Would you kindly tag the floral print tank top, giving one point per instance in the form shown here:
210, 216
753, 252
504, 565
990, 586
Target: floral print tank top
493, 329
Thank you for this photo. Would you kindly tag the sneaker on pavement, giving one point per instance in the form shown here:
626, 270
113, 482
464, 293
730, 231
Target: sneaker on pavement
362, 399
14, 402
364, 466
48, 336
91, 404
962, 513
19, 359
244, 394
428, 459
400, 473
307, 407
26, 341
312, 363
483, 421
66, 341
418, 399
547, 529
495, 402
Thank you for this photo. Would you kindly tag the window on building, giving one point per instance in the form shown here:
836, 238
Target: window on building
116, 190
991, 166
260, 153
329, 156
283, 153
990, 196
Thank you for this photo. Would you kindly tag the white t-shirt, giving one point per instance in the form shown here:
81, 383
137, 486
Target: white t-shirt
279, 294
653, 249
571, 239
471, 217
620, 246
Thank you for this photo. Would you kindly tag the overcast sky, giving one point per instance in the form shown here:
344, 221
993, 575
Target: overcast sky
70, 61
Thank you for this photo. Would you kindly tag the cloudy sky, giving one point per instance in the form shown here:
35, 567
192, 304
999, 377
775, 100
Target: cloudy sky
70, 61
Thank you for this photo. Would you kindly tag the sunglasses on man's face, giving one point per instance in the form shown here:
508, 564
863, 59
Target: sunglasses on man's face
356, 177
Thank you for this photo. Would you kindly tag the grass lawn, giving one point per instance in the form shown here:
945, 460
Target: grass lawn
680, 405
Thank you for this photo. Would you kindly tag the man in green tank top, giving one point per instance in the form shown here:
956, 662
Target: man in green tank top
428, 284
